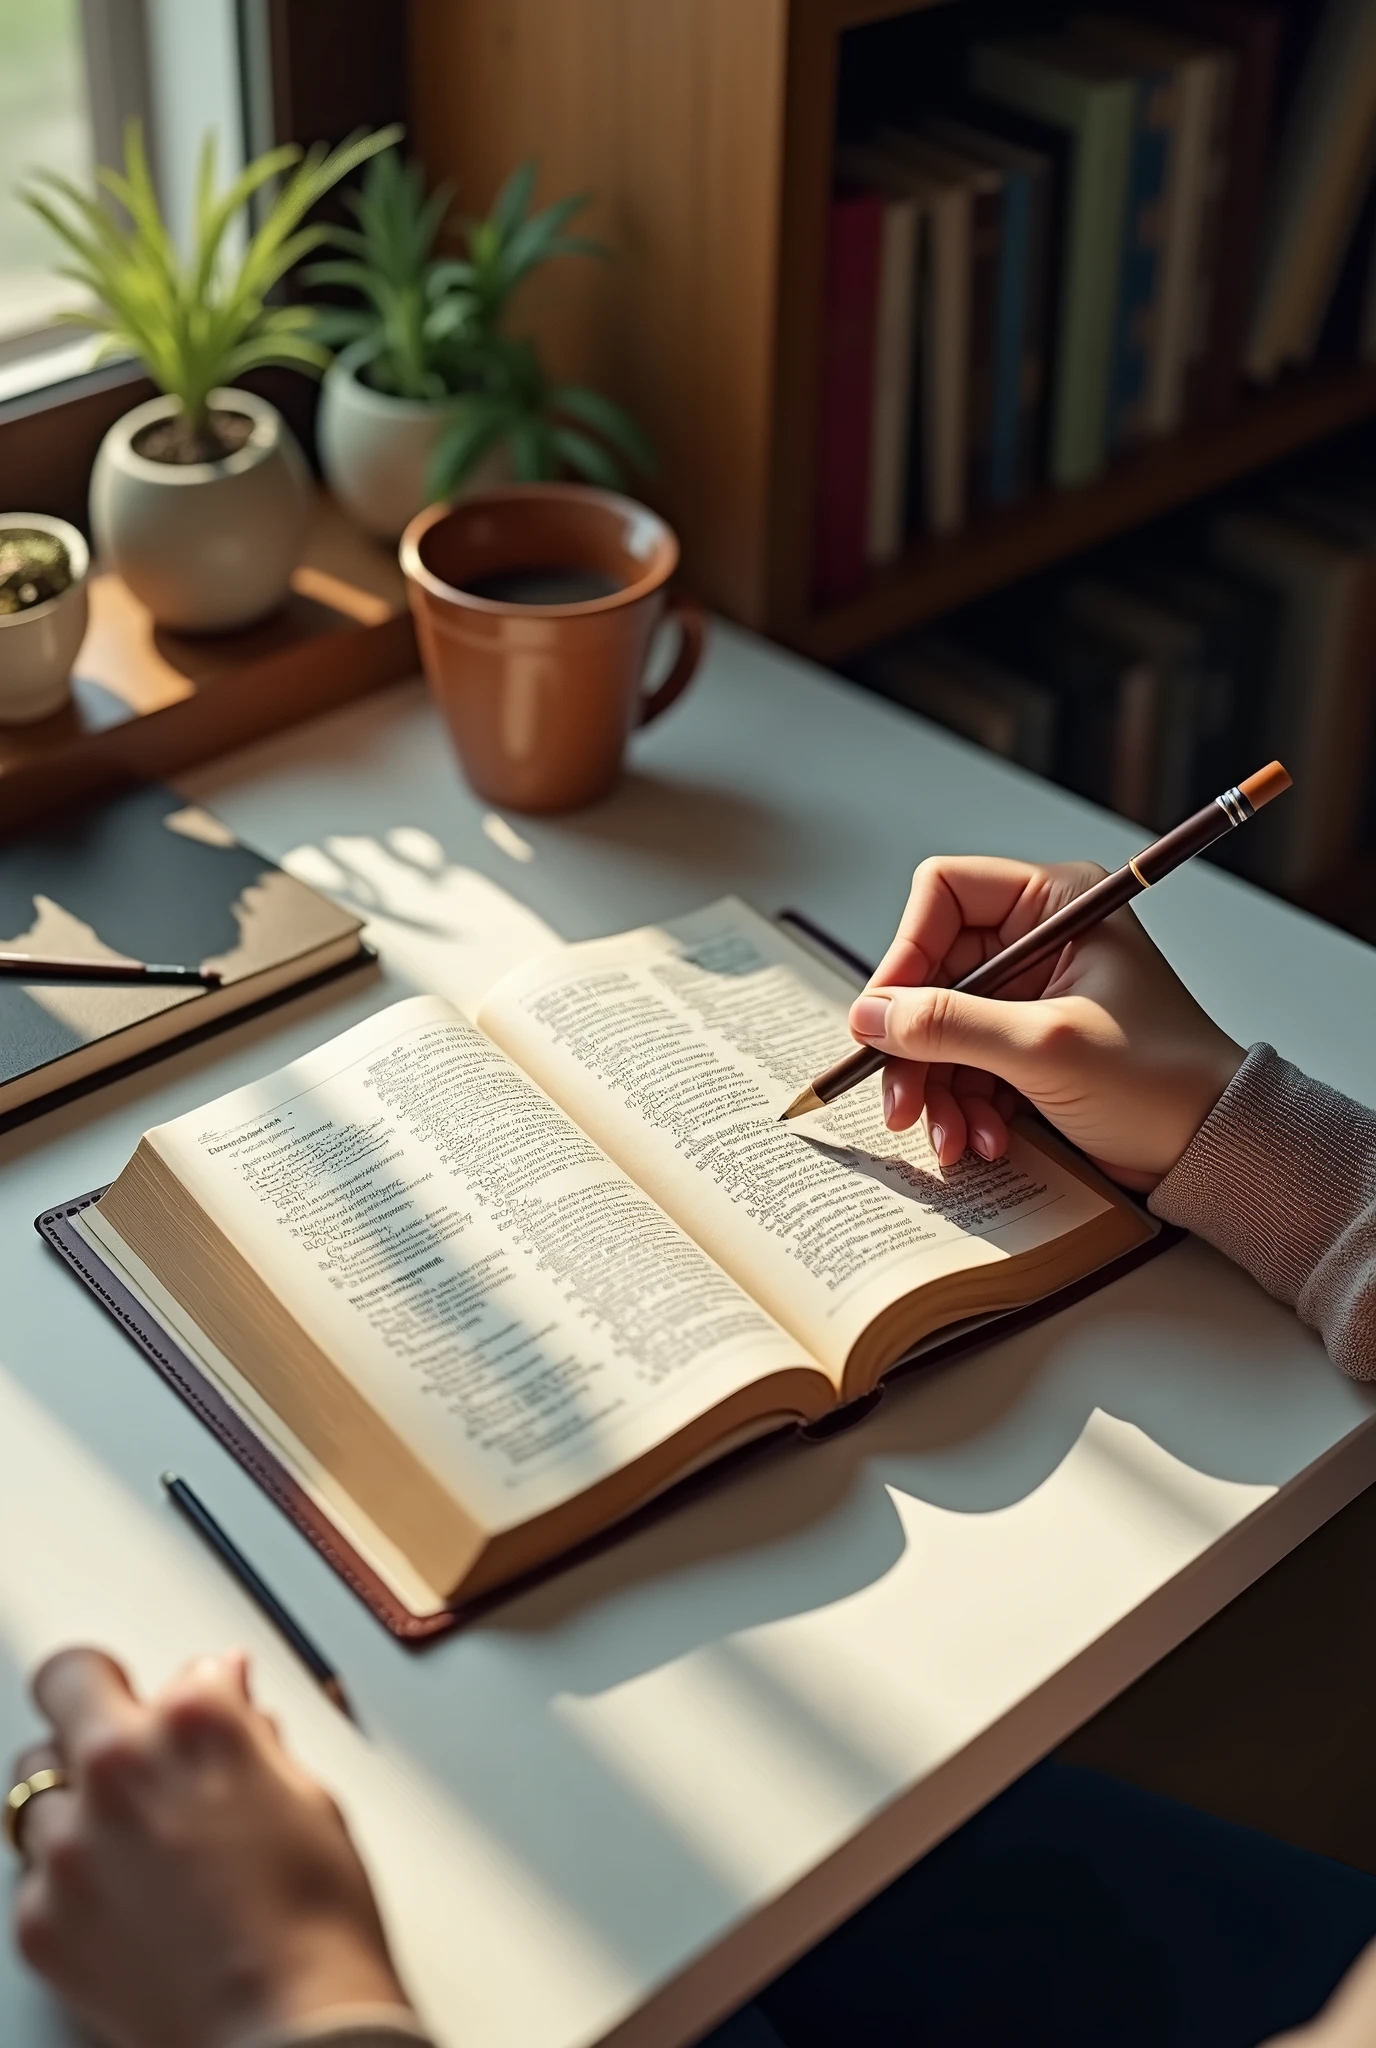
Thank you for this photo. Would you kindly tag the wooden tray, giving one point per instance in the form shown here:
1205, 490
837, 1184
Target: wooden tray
147, 702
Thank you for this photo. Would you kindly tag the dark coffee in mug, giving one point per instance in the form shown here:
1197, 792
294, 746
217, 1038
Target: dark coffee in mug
543, 583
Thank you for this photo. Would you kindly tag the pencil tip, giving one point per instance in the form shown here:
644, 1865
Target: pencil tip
801, 1104
335, 1693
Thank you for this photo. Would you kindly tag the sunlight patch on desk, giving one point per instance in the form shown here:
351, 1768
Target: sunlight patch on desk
447, 928
124, 1574
814, 1721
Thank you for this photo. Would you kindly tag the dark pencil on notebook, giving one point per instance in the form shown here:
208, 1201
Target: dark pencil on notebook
204, 1523
1152, 865
41, 967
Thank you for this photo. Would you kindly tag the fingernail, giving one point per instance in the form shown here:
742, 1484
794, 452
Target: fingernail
938, 1140
869, 1016
887, 1086
983, 1144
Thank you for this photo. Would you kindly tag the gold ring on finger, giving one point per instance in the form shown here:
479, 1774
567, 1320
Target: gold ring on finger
50, 1779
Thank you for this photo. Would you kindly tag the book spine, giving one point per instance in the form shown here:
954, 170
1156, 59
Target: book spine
946, 360
894, 358
1318, 703
986, 255
1035, 369
1100, 117
847, 393
1211, 225
1006, 480
1324, 155
1197, 85
1138, 321
1257, 52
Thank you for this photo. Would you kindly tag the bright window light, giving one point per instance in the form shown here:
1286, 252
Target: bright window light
44, 120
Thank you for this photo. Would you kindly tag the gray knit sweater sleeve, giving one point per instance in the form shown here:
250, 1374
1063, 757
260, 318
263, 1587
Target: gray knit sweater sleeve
1282, 1177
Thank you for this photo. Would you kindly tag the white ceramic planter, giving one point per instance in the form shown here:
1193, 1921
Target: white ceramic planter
38, 646
205, 545
375, 450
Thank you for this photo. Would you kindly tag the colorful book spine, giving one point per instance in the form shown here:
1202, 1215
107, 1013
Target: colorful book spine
1139, 308
849, 311
1050, 80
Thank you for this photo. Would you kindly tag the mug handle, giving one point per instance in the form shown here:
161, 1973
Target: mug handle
692, 626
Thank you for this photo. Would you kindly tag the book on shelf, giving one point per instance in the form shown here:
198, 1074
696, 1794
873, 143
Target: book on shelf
982, 700
1250, 31
1321, 172
855, 234
1019, 349
1236, 619
1178, 722
1192, 84
1059, 81
896, 330
147, 876
1138, 325
483, 1289
1319, 703
957, 196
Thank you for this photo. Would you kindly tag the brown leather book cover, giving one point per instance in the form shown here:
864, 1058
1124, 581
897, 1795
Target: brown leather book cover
56, 1227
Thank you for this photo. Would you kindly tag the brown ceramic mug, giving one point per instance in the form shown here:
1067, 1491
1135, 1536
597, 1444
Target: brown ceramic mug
536, 607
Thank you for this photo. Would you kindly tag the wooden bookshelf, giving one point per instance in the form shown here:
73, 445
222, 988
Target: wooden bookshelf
706, 129
936, 575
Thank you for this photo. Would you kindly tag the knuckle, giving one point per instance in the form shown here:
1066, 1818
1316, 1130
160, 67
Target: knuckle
198, 1715
1057, 1034
33, 1929
935, 1016
110, 1762
66, 1858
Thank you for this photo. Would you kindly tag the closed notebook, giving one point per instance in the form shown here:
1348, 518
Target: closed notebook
147, 877
478, 1290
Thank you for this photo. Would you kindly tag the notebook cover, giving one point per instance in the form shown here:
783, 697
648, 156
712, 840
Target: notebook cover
57, 1227
144, 876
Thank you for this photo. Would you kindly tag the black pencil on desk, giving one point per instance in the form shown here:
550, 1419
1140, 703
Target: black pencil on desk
205, 1525
40, 967
1152, 865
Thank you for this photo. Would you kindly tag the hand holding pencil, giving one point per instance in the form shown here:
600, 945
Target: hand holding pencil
1100, 1036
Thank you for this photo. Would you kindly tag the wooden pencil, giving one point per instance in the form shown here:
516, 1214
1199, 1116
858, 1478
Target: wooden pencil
1143, 871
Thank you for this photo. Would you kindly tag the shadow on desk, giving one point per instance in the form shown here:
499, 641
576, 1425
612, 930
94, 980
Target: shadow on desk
802, 1526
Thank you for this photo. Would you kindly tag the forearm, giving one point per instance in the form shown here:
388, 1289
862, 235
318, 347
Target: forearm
1282, 1177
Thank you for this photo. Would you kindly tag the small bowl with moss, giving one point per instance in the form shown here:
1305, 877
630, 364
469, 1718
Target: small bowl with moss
43, 568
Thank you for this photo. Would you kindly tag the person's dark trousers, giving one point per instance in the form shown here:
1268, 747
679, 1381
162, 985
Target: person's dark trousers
1077, 1912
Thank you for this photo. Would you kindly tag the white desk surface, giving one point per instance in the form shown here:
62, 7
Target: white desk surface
629, 1797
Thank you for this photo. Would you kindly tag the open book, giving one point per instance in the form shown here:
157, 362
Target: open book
483, 1287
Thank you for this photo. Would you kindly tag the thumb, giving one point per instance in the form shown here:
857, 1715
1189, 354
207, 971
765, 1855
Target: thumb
938, 1025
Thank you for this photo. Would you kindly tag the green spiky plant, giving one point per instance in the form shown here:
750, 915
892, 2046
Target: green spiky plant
204, 320
433, 327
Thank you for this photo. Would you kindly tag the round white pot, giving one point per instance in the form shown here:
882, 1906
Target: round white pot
205, 545
375, 450
38, 646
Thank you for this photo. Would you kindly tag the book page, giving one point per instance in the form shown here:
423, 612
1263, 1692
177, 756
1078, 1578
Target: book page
521, 1315
678, 1047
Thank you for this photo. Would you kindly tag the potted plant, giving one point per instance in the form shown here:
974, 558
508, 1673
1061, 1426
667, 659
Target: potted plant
429, 396
200, 497
43, 565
